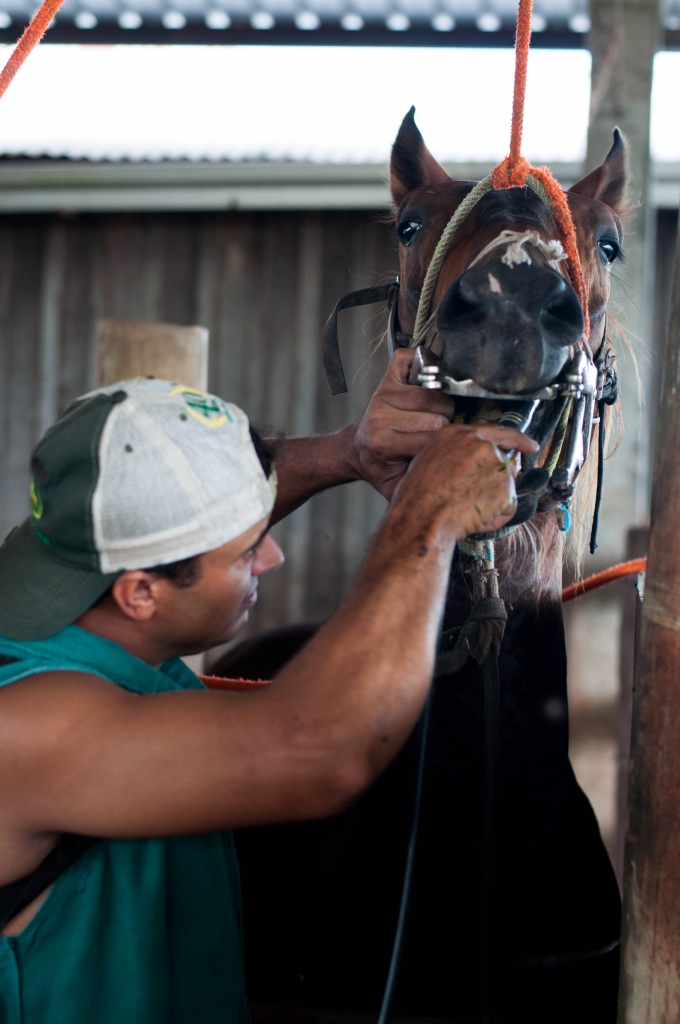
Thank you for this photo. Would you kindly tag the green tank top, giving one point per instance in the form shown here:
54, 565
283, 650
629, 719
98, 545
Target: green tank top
138, 931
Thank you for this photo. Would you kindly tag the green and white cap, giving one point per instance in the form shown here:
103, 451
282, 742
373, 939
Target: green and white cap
141, 473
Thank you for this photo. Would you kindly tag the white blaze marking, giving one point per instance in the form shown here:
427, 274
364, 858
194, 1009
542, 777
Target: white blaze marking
495, 285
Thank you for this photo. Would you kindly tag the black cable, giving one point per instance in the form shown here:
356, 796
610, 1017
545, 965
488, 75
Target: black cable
389, 993
600, 478
491, 745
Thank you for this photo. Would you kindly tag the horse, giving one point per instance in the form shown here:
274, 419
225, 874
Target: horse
321, 898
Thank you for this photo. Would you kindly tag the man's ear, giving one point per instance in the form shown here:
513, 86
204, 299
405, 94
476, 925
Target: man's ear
412, 164
133, 592
609, 181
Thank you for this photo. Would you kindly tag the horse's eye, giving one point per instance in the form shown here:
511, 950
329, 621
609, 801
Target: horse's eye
610, 250
408, 229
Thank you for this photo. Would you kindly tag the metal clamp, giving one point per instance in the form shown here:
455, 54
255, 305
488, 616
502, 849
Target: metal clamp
427, 372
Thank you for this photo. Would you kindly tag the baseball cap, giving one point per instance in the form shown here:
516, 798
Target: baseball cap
140, 473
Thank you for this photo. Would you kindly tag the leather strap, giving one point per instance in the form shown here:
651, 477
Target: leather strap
332, 362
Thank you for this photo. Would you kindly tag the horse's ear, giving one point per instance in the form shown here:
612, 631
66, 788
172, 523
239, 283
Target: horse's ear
412, 164
609, 181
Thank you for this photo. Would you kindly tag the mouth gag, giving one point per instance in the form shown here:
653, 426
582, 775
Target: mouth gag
566, 410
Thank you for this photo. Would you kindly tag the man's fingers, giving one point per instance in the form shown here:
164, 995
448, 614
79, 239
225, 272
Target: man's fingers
413, 399
501, 519
397, 392
401, 422
402, 445
399, 365
507, 438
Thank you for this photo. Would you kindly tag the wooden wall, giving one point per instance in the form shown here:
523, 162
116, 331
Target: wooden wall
263, 284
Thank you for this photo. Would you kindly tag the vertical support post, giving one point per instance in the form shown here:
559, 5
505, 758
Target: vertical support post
631, 589
132, 348
650, 978
623, 39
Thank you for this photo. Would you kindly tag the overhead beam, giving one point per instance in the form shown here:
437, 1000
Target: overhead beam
285, 33
557, 35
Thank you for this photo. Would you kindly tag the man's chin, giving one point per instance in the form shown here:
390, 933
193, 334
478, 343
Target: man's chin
234, 628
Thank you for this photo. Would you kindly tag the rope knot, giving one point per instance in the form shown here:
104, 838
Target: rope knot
477, 638
510, 173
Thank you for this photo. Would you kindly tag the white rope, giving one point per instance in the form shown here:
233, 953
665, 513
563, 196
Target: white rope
516, 253
471, 200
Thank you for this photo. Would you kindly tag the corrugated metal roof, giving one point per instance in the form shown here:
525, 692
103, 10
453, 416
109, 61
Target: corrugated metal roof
320, 104
348, 22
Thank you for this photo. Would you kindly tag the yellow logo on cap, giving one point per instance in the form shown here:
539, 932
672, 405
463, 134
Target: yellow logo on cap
207, 409
36, 502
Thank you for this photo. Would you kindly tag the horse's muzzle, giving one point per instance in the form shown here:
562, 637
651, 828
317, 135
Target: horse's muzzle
509, 328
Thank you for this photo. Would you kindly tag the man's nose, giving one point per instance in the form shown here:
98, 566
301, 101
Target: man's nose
269, 556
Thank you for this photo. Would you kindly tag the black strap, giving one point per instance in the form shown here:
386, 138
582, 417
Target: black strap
492, 698
387, 1004
608, 379
600, 476
332, 363
479, 637
17, 895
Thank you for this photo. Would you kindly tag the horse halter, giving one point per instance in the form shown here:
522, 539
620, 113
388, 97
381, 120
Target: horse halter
565, 410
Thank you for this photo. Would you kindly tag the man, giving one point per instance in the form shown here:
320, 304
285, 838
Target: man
147, 535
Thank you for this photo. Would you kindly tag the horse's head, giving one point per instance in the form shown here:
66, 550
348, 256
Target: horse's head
510, 326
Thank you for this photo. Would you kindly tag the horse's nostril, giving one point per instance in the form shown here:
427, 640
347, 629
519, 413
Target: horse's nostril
562, 311
462, 305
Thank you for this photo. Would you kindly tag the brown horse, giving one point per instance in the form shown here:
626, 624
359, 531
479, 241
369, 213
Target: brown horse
321, 899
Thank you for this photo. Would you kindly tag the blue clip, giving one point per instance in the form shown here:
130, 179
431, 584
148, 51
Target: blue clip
564, 515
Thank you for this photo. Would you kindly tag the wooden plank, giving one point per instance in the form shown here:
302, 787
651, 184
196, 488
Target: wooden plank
650, 982
133, 348
636, 547
20, 407
262, 284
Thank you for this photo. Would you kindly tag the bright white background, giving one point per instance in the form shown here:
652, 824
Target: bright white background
304, 103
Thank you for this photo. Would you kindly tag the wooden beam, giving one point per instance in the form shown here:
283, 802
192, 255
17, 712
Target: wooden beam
623, 39
133, 348
650, 979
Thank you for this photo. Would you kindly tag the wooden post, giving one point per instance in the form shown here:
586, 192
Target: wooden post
623, 39
650, 977
132, 348
637, 546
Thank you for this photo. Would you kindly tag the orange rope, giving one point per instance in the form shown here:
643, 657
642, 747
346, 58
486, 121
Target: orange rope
220, 683
32, 35
513, 171
522, 43
600, 579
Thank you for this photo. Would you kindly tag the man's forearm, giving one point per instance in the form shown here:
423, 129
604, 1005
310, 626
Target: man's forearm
307, 465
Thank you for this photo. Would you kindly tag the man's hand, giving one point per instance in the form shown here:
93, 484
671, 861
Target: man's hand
464, 479
399, 422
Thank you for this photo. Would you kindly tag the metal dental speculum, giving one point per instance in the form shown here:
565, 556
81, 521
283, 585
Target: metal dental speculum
427, 371
536, 414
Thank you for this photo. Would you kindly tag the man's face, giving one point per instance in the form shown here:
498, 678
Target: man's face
215, 608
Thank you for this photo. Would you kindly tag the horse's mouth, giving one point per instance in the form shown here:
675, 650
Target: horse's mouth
510, 329
544, 414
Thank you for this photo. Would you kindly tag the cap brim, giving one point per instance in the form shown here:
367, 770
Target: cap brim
40, 593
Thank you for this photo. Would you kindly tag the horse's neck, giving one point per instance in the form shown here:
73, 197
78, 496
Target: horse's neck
529, 564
